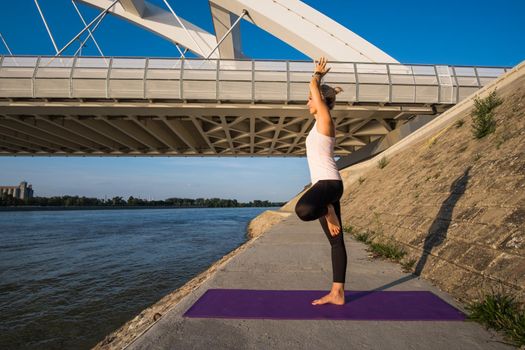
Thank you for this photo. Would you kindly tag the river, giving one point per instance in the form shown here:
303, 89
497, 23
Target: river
69, 278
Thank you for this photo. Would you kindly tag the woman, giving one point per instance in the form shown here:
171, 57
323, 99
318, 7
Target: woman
321, 201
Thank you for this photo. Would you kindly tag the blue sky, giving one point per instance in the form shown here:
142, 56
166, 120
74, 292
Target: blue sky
446, 32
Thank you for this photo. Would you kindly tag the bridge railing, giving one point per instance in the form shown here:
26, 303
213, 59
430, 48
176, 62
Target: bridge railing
233, 80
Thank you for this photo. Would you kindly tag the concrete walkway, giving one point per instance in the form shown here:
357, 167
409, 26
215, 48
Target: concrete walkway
296, 255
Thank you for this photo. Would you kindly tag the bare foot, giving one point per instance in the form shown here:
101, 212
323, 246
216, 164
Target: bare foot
337, 298
333, 221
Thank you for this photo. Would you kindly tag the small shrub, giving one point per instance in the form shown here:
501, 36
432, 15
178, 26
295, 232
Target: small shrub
388, 251
477, 156
362, 237
500, 312
382, 163
502, 137
459, 123
408, 265
348, 229
361, 180
483, 122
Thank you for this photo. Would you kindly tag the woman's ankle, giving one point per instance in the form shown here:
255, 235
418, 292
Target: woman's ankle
337, 288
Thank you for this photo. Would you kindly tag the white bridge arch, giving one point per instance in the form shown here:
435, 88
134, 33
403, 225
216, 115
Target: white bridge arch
292, 21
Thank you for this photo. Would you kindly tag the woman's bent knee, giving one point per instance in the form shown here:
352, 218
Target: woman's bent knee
305, 211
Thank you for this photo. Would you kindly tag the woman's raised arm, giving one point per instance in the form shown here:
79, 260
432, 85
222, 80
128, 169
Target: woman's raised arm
324, 121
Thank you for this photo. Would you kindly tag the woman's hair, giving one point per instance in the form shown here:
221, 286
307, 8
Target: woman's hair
328, 94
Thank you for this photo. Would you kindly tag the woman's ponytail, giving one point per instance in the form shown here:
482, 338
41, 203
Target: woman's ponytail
328, 94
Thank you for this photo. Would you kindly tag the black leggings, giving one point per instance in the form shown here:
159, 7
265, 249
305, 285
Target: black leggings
313, 205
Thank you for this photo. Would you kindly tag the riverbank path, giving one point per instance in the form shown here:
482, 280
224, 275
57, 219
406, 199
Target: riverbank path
295, 255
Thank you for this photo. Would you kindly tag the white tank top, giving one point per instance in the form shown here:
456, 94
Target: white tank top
320, 156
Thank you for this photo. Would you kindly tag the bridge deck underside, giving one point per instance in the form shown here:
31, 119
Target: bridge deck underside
63, 128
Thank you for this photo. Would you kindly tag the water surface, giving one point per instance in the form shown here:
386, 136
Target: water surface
69, 278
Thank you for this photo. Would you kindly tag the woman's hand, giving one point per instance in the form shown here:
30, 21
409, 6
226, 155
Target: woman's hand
320, 67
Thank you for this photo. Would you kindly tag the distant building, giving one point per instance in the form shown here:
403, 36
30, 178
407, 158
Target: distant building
21, 191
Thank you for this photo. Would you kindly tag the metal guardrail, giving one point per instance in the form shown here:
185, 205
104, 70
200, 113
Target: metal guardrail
233, 80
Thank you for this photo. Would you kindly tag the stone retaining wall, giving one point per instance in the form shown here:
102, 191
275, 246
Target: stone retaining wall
454, 203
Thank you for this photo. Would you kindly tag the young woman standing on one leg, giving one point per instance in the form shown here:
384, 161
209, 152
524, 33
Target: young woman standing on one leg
321, 201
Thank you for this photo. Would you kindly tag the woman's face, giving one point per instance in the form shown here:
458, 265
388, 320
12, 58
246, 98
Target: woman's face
311, 107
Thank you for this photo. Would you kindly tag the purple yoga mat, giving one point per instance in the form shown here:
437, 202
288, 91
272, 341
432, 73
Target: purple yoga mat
296, 305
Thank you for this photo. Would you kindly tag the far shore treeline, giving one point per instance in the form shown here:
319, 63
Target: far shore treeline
77, 201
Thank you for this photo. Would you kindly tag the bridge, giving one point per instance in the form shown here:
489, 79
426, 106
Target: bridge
194, 107
220, 103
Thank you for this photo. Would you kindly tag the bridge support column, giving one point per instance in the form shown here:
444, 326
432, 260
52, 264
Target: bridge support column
379, 145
